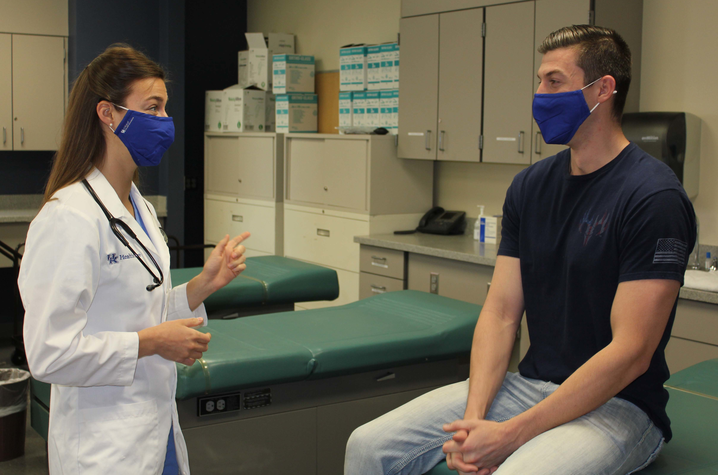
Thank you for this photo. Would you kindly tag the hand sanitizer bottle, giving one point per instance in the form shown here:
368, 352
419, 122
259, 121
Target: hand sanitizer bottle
477, 224
708, 261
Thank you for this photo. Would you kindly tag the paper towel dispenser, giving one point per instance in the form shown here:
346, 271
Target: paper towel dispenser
673, 138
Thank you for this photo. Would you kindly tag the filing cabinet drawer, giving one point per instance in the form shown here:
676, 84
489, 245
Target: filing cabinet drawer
348, 291
322, 239
454, 279
380, 261
223, 217
370, 284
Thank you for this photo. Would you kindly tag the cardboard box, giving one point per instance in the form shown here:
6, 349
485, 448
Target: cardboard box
372, 117
373, 68
292, 73
296, 113
243, 68
270, 119
213, 111
359, 109
243, 110
352, 68
345, 109
259, 69
389, 66
386, 107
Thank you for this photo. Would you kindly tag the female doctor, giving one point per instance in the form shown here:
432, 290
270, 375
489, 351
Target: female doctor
103, 323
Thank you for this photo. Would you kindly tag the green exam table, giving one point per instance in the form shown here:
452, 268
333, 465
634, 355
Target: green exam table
693, 409
269, 284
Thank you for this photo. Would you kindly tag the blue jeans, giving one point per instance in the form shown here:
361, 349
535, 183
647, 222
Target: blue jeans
616, 438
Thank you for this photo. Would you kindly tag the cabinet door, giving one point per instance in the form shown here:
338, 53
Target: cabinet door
454, 279
550, 16
345, 169
460, 77
305, 170
419, 72
5, 92
508, 87
255, 169
221, 164
38, 78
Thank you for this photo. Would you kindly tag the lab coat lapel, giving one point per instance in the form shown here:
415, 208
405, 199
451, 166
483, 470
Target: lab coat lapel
112, 202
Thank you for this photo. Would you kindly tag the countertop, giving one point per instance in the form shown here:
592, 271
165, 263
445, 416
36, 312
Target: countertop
464, 248
17, 209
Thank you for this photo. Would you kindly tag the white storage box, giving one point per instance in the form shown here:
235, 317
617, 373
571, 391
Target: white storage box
270, 122
213, 111
296, 113
345, 109
260, 56
292, 73
243, 68
352, 65
386, 108
390, 66
244, 110
372, 118
359, 109
373, 68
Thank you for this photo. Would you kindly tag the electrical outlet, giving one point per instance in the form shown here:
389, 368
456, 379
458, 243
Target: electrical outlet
434, 282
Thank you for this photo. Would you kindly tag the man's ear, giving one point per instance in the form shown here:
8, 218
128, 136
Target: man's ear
607, 88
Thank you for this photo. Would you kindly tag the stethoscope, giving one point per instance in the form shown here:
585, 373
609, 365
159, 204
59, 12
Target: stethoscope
114, 223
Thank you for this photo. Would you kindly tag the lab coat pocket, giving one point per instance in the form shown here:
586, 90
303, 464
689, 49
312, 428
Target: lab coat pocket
120, 439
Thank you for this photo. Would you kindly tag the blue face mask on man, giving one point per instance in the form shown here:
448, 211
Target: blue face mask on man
146, 136
560, 115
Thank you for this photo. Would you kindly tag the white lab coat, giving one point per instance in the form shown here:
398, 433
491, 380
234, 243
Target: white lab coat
85, 300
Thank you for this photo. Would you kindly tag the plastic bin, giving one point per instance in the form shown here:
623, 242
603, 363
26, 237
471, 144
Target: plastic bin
13, 412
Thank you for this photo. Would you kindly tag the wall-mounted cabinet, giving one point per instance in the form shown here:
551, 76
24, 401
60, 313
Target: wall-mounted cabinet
243, 190
33, 85
468, 70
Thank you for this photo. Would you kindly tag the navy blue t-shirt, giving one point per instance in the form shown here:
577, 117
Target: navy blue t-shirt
578, 237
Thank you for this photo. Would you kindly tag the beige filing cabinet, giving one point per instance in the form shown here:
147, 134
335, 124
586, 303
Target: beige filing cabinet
33, 91
341, 186
243, 190
447, 47
381, 270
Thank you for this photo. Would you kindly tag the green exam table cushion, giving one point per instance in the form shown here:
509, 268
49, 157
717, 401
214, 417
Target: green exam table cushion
269, 280
386, 330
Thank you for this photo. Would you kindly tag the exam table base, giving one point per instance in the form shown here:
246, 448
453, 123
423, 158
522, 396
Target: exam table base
305, 429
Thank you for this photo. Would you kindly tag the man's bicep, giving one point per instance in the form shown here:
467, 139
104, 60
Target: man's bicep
640, 313
506, 295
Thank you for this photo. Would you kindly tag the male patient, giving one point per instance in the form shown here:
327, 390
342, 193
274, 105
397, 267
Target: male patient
594, 245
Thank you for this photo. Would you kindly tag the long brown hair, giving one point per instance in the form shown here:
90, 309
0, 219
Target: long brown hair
108, 77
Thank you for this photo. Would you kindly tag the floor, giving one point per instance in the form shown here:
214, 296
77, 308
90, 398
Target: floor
34, 461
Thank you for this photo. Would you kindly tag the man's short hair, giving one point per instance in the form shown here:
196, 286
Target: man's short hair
601, 52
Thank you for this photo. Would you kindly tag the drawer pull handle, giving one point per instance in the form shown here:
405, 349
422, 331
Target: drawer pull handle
379, 262
441, 141
386, 377
323, 232
538, 143
237, 218
521, 142
427, 140
378, 289
4, 135
22, 135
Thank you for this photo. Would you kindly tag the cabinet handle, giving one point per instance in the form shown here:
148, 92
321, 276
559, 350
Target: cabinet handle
4, 135
427, 140
326, 189
323, 232
441, 140
379, 262
537, 147
22, 135
378, 289
238, 218
521, 142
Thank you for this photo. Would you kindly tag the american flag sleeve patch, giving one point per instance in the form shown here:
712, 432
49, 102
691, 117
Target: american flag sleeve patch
670, 251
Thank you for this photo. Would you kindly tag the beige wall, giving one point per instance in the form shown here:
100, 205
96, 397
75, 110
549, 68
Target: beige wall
322, 26
680, 73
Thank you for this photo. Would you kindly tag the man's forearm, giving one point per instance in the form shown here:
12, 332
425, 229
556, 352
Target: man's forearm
490, 355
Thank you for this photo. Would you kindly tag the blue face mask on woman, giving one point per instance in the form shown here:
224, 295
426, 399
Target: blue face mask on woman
560, 115
146, 136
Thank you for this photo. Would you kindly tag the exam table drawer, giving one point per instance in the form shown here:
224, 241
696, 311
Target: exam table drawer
380, 261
